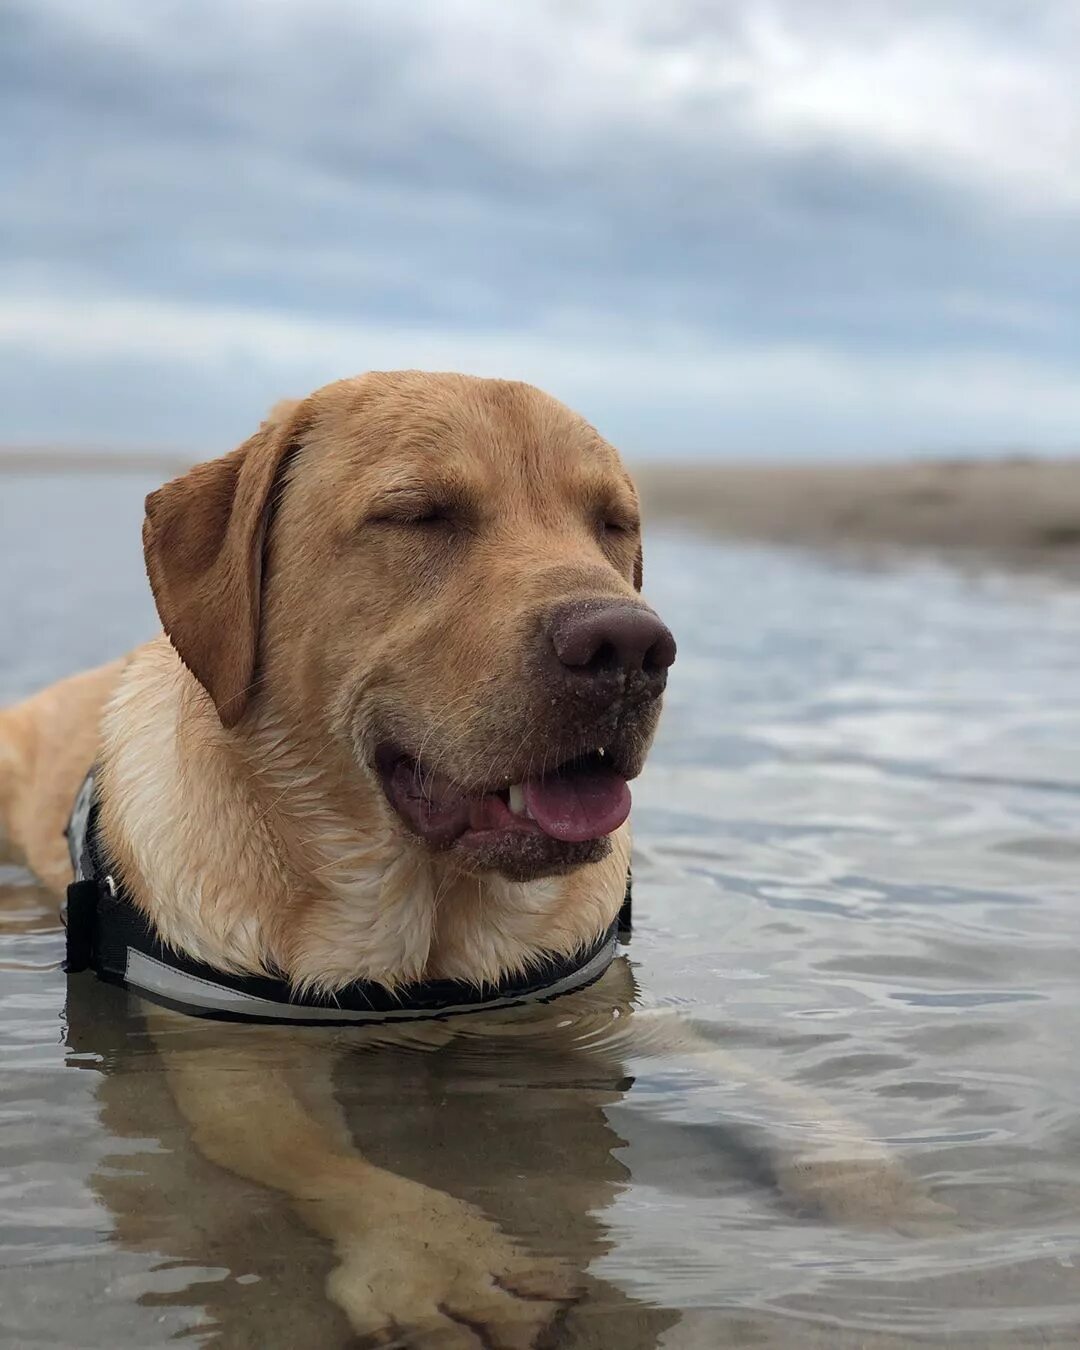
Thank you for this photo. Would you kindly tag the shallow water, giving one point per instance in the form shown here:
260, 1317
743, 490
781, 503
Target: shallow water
858, 851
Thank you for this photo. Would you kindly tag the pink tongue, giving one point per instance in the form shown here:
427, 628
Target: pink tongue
578, 806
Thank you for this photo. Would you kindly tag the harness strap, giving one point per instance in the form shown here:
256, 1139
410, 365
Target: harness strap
108, 934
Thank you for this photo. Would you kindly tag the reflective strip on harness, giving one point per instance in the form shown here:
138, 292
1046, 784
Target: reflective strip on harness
164, 983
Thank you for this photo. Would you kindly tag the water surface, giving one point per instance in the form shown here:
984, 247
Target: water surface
858, 852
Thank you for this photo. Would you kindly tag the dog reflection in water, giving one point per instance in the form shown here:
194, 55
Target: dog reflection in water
441, 1185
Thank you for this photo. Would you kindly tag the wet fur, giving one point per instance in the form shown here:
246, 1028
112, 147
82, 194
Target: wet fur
238, 803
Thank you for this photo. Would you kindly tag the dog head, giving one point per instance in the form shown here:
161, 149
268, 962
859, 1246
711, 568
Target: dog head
436, 578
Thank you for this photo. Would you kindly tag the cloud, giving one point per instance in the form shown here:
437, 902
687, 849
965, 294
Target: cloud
978, 92
829, 202
680, 391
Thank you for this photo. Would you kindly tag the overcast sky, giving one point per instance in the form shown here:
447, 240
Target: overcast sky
761, 227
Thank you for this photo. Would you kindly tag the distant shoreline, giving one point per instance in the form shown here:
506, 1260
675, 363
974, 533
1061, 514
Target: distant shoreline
1019, 511
1015, 512
33, 462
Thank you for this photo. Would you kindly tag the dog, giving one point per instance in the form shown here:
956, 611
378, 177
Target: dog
384, 741
404, 659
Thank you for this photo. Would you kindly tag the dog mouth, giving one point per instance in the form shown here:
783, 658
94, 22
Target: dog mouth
578, 803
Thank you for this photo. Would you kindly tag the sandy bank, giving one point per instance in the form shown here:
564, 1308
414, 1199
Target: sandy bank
1022, 511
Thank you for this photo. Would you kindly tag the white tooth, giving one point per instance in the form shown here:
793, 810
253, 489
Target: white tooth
516, 794
600, 751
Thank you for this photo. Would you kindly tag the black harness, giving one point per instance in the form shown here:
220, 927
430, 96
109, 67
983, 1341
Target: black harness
108, 934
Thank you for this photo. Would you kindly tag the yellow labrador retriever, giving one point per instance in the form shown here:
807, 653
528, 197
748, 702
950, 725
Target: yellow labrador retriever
386, 737
405, 679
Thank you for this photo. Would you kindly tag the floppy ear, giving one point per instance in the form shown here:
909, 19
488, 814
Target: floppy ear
638, 569
203, 540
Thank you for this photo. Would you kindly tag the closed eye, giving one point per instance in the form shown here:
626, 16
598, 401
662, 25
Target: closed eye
409, 511
617, 523
425, 516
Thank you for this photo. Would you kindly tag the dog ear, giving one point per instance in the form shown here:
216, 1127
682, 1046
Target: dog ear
203, 540
638, 569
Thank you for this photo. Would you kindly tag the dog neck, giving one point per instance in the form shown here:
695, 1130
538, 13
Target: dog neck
254, 853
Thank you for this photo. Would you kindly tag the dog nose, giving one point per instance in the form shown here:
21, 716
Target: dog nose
605, 637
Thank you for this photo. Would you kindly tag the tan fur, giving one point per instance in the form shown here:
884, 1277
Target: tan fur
238, 806
46, 745
298, 875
